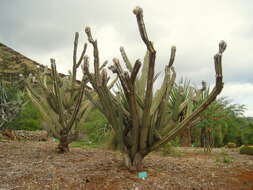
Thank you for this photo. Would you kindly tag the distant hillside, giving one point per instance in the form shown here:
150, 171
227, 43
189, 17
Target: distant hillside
12, 64
250, 119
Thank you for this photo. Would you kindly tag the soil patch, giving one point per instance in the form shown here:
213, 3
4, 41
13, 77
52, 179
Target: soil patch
36, 165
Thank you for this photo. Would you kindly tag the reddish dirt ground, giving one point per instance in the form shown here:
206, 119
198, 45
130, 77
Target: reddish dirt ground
36, 166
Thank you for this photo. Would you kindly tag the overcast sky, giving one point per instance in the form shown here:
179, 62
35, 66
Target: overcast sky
44, 29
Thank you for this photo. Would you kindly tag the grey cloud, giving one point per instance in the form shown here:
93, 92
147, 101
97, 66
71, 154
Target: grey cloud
47, 25
46, 28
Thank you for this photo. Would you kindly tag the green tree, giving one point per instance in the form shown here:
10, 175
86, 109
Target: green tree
224, 119
247, 133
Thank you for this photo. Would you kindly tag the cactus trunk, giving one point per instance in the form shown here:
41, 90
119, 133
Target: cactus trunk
133, 162
63, 145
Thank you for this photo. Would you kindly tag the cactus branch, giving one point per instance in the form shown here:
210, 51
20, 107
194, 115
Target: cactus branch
211, 97
126, 60
135, 70
95, 52
172, 55
148, 95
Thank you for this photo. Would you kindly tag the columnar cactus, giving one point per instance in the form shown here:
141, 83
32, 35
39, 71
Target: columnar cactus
61, 100
138, 116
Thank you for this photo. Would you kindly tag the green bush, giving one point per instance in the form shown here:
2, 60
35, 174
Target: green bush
246, 149
170, 150
167, 149
175, 142
247, 137
96, 127
28, 119
231, 145
227, 160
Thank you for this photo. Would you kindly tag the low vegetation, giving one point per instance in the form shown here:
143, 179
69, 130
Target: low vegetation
246, 149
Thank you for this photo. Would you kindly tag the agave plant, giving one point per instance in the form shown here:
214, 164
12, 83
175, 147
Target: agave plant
182, 101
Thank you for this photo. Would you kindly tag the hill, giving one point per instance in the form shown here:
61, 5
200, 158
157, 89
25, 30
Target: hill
13, 64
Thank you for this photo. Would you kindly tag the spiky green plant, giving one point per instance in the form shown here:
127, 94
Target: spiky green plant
182, 101
138, 116
61, 100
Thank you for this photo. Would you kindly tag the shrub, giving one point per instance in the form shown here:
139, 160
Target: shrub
28, 119
96, 127
227, 160
231, 145
167, 149
170, 150
246, 149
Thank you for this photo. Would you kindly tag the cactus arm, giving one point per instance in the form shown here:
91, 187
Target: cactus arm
103, 65
57, 92
165, 89
86, 72
75, 49
42, 107
135, 70
92, 100
95, 52
105, 96
160, 112
75, 63
156, 76
172, 56
77, 106
146, 119
159, 103
126, 60
210, 98
141, 83
82, 55
116, 68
